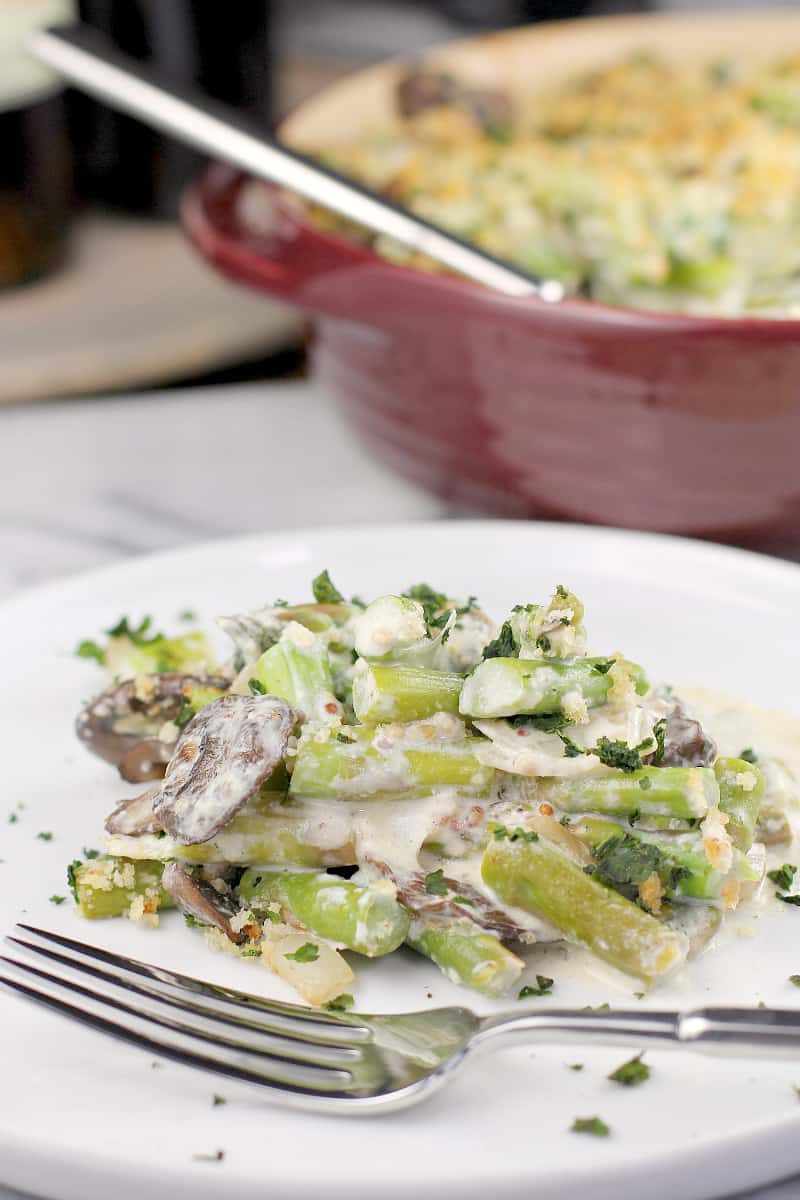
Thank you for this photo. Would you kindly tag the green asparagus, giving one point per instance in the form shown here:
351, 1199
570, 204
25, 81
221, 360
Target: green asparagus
741, 791
401, 693
352, 771
507, 687
682, 792
532, 875
367, 919
466, 954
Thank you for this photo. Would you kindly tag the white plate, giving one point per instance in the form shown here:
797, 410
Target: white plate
82, 1116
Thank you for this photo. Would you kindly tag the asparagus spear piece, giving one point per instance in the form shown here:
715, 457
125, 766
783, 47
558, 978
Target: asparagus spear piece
297, 669
680, 860
466, 954
507, 687
107, 887
532, 875
682, 792
741, 791
366, 919
401, 693
353, 771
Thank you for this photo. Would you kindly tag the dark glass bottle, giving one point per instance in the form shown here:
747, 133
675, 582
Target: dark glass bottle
224, 48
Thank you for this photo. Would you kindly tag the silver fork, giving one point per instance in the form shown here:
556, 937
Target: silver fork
340, 1063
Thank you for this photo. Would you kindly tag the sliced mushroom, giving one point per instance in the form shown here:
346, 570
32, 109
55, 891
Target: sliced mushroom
686, 744
200, 900
122, 724
135, 815
479, 909
421, 89
223, 755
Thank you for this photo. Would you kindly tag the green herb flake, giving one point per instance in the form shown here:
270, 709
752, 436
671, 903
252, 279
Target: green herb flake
660, 733
57, 899
435, 883
603, 665
795, 979
464, 900
788, 899
90, 649
749, 755
12, 818
783, 877
45, 836
185, 713
217, 1100
575, 1066
306, 953
251, 952
90, 853
324, 590
571, 749
645, 783
193, 923
72, 877
593, 1125
256, 687
624, 859
614, 753
502, 834
631, 1073
187, 614
340, 1003
503, 646
544, 987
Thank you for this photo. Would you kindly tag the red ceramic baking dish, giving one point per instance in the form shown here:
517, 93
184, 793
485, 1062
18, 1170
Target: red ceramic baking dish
576, 410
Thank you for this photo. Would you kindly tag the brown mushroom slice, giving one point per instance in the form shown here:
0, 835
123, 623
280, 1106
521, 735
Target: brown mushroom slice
686, 744
121, 725
222, 757
134, 815
200, 900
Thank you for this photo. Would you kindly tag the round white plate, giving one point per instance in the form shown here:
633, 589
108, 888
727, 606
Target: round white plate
82, 1116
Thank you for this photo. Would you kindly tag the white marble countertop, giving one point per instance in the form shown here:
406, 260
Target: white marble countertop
83, 483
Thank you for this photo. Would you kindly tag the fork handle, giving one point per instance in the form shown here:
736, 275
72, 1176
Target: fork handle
757, 1032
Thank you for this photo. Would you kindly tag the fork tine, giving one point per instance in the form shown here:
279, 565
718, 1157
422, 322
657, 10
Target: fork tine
232, 1057
290, 1095
283, 1045
289, 1019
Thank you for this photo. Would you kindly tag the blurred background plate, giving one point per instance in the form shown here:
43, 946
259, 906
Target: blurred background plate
132, 306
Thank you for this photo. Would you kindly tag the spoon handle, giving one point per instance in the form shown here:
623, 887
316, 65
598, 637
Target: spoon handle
85, 58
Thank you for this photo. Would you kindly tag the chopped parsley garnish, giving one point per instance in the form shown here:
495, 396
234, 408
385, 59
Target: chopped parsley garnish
90, 649
503, 646
546, 723
631, 1073
602, 666
325, 592
217, 1100
544, 987
464, 900
543, 643
251, 952
135, 633
306, 953
788, 899
575, 1066
256, 687
502, 834
435, 883
89, 853
193, 922
72, 877
795, 979
185, 712
340, 1003
57, 899
593, 1125
45, 836
12, 818
749, 755
627, 860
571, 749
645, 783
561, 591
613, 753
187, 614
783, 877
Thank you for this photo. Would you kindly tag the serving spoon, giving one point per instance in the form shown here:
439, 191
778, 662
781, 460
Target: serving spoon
87, 60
